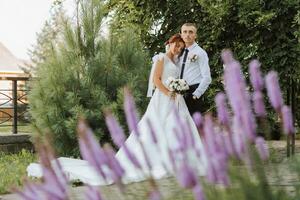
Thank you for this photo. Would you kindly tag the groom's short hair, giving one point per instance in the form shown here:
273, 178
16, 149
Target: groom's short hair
190, 24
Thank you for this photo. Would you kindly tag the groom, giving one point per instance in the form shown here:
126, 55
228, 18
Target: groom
194, 69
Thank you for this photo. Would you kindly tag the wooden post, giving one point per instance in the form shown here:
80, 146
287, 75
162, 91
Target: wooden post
15, 106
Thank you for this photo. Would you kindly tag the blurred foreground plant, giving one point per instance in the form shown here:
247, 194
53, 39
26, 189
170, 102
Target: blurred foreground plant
229, 139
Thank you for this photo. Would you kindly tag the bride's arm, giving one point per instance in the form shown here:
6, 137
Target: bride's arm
157, 77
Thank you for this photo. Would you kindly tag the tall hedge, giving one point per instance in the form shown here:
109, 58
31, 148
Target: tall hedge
268, 30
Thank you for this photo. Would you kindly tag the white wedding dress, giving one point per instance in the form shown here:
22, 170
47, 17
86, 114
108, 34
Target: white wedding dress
160, 111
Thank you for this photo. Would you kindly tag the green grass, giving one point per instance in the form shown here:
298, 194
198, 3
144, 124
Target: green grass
13, 169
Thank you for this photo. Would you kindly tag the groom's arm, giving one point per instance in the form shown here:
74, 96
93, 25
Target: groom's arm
205, 73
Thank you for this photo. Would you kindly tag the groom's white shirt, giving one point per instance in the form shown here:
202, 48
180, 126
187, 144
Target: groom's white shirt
197, 71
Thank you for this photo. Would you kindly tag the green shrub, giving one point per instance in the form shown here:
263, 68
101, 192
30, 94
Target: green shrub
83, 74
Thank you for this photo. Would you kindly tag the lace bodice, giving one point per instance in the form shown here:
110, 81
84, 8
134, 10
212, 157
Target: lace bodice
169, 69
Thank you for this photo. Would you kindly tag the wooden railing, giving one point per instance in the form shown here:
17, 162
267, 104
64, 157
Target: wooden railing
13, 101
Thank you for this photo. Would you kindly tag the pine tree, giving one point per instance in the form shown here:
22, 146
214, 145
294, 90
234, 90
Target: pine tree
47, 37
84, 73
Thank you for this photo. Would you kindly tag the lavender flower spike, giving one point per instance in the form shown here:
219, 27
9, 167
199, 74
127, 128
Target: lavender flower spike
55, 181
118, 136
223, 115
186, 176
133, 159
198, 119
255, 75
239, 98
90, 149
209, 136
155, 195
227, 56
258, 103
262, 148
198, 192
113, 164
30, 191
130, 112
115, 129
152, 131
274, 91
288, 126
238, 138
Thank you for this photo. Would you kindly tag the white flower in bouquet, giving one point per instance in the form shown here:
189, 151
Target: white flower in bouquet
182, 82
177, 85
172, 88
186, 87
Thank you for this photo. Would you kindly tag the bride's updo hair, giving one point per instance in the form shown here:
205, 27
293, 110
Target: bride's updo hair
175, 38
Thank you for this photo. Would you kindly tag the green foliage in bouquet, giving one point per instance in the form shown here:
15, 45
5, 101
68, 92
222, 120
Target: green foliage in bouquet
84, 72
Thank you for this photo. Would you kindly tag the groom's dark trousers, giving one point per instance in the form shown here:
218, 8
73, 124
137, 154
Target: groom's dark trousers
194, 105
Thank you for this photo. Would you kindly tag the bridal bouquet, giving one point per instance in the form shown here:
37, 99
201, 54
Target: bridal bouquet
177, 85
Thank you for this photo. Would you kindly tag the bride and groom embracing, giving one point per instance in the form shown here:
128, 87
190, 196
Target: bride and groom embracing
192, 66
183, 59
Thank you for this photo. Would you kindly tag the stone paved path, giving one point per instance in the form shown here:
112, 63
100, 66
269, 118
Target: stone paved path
169, 188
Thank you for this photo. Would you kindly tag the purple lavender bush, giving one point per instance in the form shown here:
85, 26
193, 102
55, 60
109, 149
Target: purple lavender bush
237, 157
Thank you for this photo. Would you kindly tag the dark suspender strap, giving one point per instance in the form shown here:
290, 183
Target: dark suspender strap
183, 63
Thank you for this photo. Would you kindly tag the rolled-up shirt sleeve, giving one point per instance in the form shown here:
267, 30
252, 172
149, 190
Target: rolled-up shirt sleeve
205, 75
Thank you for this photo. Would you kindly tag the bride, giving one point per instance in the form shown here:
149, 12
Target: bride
166, 112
